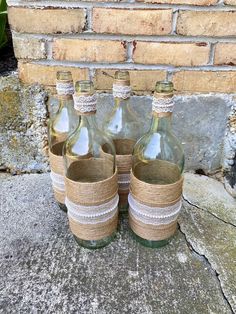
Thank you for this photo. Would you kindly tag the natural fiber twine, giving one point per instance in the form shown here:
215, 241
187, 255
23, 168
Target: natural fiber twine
168, 192
156, 194
152, 232
56, 158
57, 166
91, 182
163, 95
94, 231
124, 148
59, 196
123, 197
98, 186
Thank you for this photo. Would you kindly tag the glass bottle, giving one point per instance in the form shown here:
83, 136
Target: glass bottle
158, 159
123, 127
59, 128
89, 156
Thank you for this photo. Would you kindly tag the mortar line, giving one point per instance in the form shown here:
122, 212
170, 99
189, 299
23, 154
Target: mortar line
88, 35
119, 5
134, 66
129, 50
89, 19
212, 54
174, 22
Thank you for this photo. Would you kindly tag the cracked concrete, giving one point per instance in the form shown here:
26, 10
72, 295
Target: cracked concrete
43, 270
208, 223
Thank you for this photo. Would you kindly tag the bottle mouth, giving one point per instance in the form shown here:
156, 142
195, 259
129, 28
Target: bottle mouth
65, 76
164, 87
85, 87
122, 78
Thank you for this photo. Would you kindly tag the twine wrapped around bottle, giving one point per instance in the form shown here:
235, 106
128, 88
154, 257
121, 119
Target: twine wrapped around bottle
154, 208
124, 149
57, 172
92, 199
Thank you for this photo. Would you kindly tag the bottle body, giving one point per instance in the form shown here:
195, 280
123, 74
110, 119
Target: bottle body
156, 181
123, 127
91, 186
60, 126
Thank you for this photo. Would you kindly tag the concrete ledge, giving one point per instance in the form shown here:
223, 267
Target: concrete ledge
43, 270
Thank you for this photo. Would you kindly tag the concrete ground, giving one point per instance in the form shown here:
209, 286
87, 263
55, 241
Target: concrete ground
43, 270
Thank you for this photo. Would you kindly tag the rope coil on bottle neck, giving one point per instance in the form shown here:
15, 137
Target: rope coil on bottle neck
85, 104
64, 88
121, 91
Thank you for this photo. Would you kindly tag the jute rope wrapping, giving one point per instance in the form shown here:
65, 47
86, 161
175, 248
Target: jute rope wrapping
154, 208
124, 149
92, 199
57, 172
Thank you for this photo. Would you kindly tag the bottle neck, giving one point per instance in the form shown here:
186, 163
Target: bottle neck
161, 123
120, 102
88, 121
65, 100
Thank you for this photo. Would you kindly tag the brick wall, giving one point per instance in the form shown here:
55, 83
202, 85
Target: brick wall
190, 41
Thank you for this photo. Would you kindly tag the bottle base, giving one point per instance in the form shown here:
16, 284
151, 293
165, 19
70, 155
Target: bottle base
150, 243
95, 244
62, 207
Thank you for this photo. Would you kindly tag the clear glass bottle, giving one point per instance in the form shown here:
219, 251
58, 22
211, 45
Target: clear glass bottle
158, 156
123, 126
60, 126
84, 156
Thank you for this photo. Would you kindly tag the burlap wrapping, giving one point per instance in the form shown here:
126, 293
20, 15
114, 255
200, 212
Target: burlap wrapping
57, 166
94, 232
145, 190
124, 148
90, 183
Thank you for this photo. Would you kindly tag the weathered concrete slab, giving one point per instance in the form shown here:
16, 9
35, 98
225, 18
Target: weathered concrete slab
210, 195
199, 121
43, 270
209, 227
23, 132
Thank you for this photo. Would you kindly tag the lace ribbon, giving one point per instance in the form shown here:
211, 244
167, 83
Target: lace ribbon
57, 181
162, 104
123, 181
65, 88
153, 215
92, 214
120, 91
84, 103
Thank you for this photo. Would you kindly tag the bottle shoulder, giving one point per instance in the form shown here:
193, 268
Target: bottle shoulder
85, 139
122, 124
159, 146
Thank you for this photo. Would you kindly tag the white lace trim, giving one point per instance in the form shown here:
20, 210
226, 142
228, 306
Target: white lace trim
120, 91
123, 181
65, 88
162, 104
57, 181
153, 215
92, 214
85, 103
